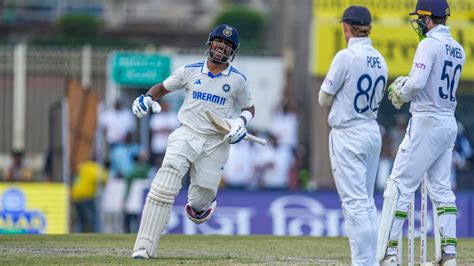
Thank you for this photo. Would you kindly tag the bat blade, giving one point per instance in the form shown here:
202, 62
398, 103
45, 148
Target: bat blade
220, 124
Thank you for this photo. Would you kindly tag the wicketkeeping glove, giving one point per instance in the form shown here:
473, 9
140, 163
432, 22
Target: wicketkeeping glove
237, 130
394, 91
142, 105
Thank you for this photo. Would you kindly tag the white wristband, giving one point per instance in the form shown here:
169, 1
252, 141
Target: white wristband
248, 116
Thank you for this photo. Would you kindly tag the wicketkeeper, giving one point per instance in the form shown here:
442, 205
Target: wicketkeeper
429, 140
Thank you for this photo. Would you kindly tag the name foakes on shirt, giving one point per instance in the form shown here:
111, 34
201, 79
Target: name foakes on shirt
453, 51
204, 96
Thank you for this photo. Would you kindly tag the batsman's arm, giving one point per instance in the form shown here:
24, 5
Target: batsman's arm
157, 91
246, 117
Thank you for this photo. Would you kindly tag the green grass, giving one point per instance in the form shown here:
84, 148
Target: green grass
87, 249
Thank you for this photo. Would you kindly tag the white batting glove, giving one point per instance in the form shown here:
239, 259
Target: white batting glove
394, 91
237, 130
142, 105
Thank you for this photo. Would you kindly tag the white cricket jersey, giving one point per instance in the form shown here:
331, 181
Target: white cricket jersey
207, 92
357, 79
435, 74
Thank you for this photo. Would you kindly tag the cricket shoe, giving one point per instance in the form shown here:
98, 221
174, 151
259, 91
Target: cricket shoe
448, 260
200, 217
390, 260
141, 254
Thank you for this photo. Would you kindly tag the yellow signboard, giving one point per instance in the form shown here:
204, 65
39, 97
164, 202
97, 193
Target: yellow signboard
393, 37
460, 9
34, 208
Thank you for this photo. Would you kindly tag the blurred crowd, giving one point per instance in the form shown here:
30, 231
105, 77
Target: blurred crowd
107, 192
128, 167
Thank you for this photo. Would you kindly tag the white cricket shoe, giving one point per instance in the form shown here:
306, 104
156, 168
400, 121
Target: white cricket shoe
390, 260
141, 254
200, 217
448, 260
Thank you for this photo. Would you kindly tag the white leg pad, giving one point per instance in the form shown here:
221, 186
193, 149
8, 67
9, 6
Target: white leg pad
390, 199
156, 212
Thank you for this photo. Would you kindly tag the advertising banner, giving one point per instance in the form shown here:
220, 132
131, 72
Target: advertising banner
391, 33
291, 214
140, 69
34, 208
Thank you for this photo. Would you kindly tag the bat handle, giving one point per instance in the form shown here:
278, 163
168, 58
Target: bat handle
253, 138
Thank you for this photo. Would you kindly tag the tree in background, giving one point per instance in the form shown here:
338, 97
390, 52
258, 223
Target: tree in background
79, 29
78, 25
249, 22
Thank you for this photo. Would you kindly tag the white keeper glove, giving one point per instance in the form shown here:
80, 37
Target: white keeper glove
395, 90
142, 104
237, 130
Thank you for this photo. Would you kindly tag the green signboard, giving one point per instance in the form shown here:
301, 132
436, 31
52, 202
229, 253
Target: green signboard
140, 69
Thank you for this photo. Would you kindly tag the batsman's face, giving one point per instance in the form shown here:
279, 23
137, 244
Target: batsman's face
220, 50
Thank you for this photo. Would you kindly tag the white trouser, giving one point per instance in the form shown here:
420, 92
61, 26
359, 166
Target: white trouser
426, 148
204, 157
354, 154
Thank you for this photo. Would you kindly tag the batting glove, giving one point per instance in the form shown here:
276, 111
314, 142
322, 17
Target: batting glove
237, 130
142, 105
394, 91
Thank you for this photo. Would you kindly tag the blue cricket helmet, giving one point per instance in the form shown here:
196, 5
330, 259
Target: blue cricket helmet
227, 33
437, 8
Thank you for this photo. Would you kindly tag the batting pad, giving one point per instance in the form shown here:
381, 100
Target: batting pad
156, 211
390, 199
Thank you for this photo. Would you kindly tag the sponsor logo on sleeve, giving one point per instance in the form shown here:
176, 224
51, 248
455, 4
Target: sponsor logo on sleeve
420, 65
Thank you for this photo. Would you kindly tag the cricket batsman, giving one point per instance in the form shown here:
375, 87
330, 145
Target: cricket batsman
354, 88
212, 85
428, 144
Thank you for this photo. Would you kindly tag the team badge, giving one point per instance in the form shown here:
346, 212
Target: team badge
227, 31
226, 87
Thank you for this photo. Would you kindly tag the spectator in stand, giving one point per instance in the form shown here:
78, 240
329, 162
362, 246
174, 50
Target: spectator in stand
161, 126
461, 154
122, 157
139, 171
273, 165
239, 169
285, 126
18, 169
90, 176
117, 123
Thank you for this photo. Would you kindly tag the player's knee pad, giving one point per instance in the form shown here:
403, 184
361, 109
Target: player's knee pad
390, 200
443, 210
446, 237
200, 217
200, 198
166, 185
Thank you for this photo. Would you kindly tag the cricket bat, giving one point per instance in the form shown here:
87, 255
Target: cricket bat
222, 126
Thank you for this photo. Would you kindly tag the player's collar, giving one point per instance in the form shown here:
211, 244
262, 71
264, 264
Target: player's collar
439, 29
359, 41
206, 71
